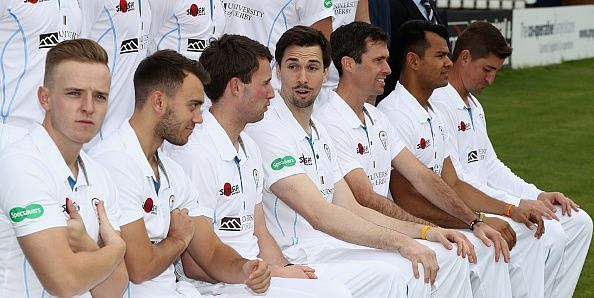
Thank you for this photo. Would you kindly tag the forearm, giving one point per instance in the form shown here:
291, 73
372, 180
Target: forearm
114, 285
477, 200
356, 230
226, 265
162, 255
421, 207
269, 250
389, 208
442, 196
410, 229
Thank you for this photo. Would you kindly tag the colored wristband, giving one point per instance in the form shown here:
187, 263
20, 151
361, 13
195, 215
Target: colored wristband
424, 232
288, 264
509, 208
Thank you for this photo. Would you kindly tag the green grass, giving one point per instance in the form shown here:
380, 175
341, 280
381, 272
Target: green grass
541, 123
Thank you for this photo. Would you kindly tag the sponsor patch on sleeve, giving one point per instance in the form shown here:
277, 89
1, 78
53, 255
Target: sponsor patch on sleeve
18, 214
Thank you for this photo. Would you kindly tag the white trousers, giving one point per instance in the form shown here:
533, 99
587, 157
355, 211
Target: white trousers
526, 266
452, 278
487, 277
566, 247
281, 288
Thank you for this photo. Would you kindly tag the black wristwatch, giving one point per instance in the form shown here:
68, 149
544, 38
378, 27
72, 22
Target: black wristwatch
474, 222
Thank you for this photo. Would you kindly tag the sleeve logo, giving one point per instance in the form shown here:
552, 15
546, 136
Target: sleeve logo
327, 3
279, 163
32, 211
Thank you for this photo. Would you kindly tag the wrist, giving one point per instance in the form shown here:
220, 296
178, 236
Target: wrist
507, 210
424, 231
474, 223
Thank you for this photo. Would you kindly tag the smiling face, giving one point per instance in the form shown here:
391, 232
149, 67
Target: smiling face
479, 73
371, 73
182, 112
75, 101
302, 74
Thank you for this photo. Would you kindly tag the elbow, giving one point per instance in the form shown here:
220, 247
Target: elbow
138, 276
66, 285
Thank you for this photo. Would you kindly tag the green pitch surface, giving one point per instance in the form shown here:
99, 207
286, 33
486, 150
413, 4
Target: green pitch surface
541, 123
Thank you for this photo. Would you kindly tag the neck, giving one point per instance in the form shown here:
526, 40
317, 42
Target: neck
68, 149
354, 97
455, 79
232, 123
418, 91
303, 115
149, 141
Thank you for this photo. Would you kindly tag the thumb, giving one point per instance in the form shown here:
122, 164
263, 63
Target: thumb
72, 210
445, 242
101, 214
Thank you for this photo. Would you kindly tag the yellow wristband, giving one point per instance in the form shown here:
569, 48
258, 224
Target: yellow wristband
424, 232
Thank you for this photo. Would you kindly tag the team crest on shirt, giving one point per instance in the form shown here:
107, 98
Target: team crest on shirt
229, 190
423, 143
125, 6
328, 153
327, 3
476, 155
48, 40
195, 11
149, 206
383, 136
256, 177
171, 201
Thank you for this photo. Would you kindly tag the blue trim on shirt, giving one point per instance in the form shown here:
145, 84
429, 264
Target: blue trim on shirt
274, 21
276, 217
26, 66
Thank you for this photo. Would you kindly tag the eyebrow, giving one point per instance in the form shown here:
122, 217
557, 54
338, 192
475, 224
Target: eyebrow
308, 61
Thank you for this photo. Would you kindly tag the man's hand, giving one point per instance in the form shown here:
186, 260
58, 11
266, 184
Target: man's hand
557, 198
529, 217
294, 271
258, 275
181, 226
540, 207
78, 238
418, 253
447, 237
108, 235
490, 236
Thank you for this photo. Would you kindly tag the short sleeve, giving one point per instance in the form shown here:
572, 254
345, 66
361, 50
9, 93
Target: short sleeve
311, 11
395, 143
29, 196
112, 205
279, 152
187, 194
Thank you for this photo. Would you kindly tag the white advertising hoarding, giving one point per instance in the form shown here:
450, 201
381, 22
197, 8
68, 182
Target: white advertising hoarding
542, 36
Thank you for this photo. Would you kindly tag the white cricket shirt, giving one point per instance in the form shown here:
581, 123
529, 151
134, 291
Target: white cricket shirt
472, 149
33, 192
143, 197
370, 146
288, 150
421, 130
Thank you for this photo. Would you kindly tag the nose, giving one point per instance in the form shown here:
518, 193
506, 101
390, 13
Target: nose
448, 62
386, 68
302, 76
491, 77
269, 91
88, 103
197, 116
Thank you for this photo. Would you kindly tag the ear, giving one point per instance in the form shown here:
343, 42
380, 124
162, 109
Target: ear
234, 86
347, 63
43, 96
413, 60
158, 102
326, 72
277, 67
465, 56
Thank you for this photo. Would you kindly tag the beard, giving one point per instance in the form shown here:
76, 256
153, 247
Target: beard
168, 129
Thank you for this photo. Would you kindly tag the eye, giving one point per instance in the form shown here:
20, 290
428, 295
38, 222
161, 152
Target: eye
313, 67
101, 97
73, 93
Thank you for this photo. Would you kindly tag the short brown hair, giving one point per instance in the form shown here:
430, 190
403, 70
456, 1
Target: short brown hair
228, 57
303, 36
79, 50
166, 71
482, 39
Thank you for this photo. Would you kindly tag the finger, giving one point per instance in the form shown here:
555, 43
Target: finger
184, 211
505, 250
307, 269
101, 214
485, 239
574, 205
72, 210
427, 272
549, 214
445, 242
311, 275
497, 244
472, 256
549, 205
415, 266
